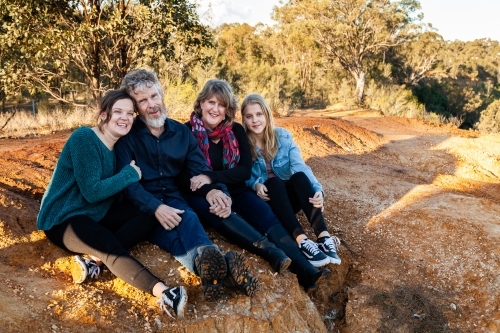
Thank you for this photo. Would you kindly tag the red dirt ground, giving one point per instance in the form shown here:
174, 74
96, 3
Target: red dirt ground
417, 207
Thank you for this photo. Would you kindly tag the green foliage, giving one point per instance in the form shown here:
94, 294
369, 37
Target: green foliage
394, 100
321, 53
94, 43
353, 32
414, 60
489, 121
433, 96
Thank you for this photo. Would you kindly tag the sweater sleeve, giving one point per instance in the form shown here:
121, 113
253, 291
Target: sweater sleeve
242, 171
88, 168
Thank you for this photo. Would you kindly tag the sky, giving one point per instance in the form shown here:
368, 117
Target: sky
465, 20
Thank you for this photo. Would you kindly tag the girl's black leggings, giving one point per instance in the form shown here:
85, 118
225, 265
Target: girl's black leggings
109, 239
287, 198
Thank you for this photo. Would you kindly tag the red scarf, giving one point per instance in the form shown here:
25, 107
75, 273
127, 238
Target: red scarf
230, 152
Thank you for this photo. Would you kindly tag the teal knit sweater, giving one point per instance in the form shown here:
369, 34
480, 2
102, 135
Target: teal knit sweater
84, 181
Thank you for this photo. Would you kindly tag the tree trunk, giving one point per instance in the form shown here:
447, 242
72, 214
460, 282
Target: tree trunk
360, 87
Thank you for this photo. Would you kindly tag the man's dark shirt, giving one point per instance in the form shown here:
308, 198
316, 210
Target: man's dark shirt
161, 160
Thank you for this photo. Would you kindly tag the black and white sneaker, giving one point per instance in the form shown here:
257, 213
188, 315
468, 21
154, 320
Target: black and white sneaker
210, 265
313, 254
329, 246
82, 267
176, 298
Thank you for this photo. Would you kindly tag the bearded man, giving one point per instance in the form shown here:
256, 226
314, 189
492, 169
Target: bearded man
164, 148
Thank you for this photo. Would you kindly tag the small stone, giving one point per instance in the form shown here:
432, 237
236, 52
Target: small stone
453, 306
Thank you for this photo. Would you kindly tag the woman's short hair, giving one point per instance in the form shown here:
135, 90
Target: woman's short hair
224, 94
106, 105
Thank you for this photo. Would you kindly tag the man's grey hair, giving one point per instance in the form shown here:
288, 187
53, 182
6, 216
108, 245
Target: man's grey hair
139, 80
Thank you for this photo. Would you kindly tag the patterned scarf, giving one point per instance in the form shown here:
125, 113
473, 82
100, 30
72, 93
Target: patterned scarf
230, 152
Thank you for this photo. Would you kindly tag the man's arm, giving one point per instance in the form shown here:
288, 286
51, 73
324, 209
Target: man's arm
135, 192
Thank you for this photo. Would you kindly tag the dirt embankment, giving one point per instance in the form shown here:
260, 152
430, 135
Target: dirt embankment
417, 207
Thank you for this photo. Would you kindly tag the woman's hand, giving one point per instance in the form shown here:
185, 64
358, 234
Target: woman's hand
132, 163
261, 190
199, 181
317, 201
220, 203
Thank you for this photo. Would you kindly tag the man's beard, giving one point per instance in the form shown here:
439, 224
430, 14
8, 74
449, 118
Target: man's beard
156, 122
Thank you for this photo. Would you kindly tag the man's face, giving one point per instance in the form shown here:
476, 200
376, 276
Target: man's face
151, 108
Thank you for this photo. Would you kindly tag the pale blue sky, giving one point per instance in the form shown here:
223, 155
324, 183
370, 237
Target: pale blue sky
465, 20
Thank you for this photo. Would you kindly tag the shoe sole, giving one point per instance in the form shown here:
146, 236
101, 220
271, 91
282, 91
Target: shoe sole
181, 307
239, 272
78, 270
212, 269
320, 263
335, 261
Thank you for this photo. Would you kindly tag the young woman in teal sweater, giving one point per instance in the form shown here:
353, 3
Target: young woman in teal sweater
80, 210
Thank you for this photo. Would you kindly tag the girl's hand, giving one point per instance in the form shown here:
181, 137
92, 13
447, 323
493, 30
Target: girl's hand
317, 201
261, 190
132, 163
199, 181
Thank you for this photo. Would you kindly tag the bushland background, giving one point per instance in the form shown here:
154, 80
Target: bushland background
374, 100
60, 56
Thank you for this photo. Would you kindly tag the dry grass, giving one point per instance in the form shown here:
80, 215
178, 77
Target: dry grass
23, 123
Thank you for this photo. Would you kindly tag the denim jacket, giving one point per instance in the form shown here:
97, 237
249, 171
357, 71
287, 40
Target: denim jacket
287, 161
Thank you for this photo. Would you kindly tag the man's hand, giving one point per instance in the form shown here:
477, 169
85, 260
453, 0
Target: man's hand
261, 190
220, 203
199, 181
317, 201
168, 216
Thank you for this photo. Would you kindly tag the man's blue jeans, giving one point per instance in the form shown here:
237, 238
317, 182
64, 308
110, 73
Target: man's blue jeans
182, 241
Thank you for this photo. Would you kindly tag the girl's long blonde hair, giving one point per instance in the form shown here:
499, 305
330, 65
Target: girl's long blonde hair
270, 140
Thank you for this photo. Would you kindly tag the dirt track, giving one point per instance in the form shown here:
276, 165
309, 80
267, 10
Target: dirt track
416, 205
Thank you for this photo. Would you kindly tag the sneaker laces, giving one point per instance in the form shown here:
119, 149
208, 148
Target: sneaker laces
93, 268
310, 246
165, 300
332, 243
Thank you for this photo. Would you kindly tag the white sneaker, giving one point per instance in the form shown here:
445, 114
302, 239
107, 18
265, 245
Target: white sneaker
175, 298
82, 267
329, 246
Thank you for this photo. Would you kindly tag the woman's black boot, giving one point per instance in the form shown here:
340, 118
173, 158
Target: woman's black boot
239, 232
307, 274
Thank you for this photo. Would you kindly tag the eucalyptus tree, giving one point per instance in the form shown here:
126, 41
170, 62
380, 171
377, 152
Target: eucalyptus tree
416, 59
93, 43
352, 32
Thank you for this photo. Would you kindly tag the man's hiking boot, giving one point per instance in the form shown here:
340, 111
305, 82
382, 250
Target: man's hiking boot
212, 269
238, 275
